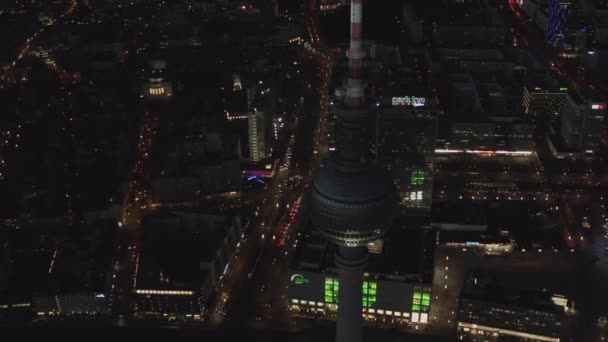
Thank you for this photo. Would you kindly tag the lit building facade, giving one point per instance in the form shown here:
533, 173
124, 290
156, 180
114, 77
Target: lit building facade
582, 121
489, 312
396, 286
539, 101
510, 134
405, 145
564, 27
257, 135
156, 87
314, 294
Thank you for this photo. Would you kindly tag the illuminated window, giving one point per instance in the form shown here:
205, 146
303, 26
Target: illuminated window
157, 91
332, 287
421, 299
415, 196
417, 177
369, 293
424, 318
331, 290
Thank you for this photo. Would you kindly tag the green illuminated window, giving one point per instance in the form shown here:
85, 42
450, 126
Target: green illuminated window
369, 294
417, 177
421, 299
331, 290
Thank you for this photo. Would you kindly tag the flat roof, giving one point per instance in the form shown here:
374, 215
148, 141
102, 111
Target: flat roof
484, 288
60, 261
407, 252
180, 252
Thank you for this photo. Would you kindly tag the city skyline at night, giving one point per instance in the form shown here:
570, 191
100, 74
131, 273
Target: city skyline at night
331, 170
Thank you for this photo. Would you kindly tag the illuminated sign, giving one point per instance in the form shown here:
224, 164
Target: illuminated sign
299, 279
563, 89
598, 106
408, 101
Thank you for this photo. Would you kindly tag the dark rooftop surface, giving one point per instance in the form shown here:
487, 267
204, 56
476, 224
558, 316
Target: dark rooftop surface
481, 295
55, 262
406, 251
177, 251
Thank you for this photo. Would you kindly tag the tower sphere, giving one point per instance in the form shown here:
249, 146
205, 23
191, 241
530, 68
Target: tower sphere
352, 208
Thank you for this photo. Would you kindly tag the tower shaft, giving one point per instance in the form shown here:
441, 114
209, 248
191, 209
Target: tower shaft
350, 261
354, 90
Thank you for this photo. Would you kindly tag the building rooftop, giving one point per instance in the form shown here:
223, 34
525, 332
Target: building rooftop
406, 252
504, 307
56, 262
177, 248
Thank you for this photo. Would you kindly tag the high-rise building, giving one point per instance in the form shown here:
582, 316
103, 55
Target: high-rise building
353, 201
582, 121
543, 101
257, 135
405, 145
564, 24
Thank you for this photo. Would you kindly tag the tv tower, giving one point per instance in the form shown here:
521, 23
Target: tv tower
353, 201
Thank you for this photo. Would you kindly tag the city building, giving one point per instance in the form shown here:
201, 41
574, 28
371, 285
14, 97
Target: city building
57, 274
481, 96
156, 86
257, 127
545, 102
406, 134
565, 27
495, 134
492, 312
544, 91
397, 280
467, 24
182, 256
582, 122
